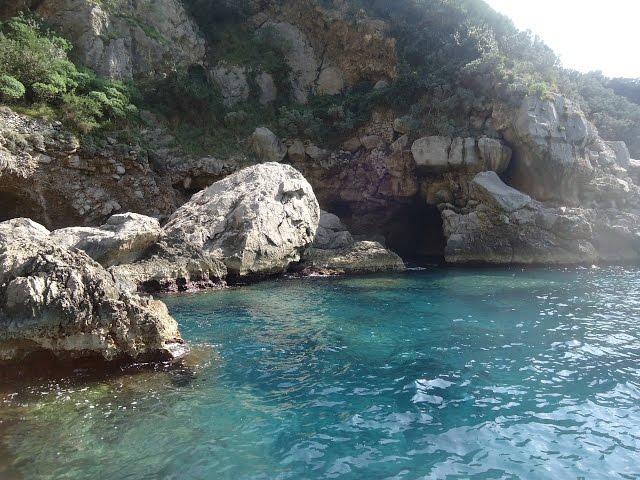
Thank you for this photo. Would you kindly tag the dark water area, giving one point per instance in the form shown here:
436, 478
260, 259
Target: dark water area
482, 374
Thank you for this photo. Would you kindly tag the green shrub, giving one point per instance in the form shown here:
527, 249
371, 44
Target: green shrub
11, 88
36, 60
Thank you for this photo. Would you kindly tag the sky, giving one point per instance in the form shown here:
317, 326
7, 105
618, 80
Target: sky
587, 35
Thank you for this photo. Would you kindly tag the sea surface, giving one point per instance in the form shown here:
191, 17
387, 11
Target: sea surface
437, 374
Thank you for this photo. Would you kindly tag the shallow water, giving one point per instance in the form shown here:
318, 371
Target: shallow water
437, 374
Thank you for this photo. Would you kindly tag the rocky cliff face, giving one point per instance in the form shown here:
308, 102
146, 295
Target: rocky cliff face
534, 183
47, 175
326, 51
123, 40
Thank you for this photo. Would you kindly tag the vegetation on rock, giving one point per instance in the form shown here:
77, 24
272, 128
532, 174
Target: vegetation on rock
36, 72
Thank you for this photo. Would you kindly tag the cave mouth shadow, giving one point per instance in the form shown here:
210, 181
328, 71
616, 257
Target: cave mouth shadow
17, 205
414, 230
416, 234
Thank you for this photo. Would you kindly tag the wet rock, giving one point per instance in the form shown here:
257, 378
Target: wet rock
360, 257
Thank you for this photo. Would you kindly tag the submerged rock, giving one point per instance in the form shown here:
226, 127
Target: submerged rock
256, 221
61, 302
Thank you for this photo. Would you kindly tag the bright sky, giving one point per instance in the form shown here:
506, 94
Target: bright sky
586, 34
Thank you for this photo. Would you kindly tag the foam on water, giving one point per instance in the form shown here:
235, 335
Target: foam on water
435, 374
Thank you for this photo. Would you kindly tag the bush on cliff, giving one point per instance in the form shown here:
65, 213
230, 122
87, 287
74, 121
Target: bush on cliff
11, 88
35, 68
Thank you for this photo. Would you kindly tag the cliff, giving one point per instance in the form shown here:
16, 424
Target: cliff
394, 113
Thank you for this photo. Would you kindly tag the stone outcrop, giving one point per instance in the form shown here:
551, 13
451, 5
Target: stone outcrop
46, 175
166, 268
439, 154
267, 146
123, 239
257, 221
61, 302
334, 251
360, 257
504, 226
124, 40
550, 137
326, 48
487, 187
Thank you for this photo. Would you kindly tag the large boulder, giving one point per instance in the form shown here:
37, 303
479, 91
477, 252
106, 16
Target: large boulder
267, 146
257, 221
123, 239
61, 302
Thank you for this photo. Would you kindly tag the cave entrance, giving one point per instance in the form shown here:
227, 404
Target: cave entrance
415, 233
14, 205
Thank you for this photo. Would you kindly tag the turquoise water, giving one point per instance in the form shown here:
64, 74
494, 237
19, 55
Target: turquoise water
437, 374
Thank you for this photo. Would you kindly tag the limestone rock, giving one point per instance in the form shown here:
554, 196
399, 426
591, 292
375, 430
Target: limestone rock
123, 239
257, 221
267, 146
360, 257
141, 40
495, 156
166, 268
432, 152
76, 188
232, 82
621, 152
62, 302
488, 187
331, 233
330, 81
438, 154
549, 136
297, 151
267, 86
300, 56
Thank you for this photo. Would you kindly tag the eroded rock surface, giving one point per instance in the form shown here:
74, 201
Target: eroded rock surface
123, 40
61, 302
123, 239
257, 221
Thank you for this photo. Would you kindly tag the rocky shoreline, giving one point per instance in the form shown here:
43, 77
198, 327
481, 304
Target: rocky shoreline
74, 292
531, 181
